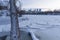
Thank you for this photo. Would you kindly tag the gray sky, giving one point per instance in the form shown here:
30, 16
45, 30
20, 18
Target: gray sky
52, 4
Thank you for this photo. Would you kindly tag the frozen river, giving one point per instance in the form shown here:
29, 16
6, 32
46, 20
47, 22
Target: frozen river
45, 27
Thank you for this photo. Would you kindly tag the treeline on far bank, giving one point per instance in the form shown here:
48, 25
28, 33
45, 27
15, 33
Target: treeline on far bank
23, 12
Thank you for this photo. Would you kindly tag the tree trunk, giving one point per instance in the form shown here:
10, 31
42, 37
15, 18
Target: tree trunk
15, 32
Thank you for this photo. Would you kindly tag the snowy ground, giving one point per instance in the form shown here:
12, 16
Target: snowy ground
45, 27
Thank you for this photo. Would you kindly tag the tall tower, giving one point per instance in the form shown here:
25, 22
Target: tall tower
15, 32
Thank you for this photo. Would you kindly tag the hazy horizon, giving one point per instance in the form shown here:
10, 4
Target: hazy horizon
50, 4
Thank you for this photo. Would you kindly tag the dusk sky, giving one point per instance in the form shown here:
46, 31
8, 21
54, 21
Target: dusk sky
52, 4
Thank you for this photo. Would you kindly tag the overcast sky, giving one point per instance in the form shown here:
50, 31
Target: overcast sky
52, 4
